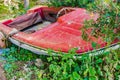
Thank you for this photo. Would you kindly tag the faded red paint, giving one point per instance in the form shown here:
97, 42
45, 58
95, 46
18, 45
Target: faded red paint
62, 35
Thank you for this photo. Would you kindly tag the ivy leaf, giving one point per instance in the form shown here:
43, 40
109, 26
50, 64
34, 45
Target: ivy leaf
118, 67
99, 61
94, 45
92, 71
76, 76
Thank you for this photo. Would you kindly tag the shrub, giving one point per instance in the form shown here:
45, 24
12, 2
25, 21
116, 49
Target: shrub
73, 3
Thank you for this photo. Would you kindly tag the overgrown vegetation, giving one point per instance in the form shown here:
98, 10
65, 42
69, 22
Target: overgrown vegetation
24, 65
11, 10
15, 8
73, 3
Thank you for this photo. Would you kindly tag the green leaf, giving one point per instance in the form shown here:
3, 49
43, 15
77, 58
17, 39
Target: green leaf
76, 76
99, 61
118, 67
92, 71
94, 45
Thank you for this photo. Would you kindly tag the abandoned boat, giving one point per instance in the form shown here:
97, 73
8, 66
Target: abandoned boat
59, 29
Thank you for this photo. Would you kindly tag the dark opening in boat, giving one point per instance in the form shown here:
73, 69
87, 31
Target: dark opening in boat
34, 21
31, 22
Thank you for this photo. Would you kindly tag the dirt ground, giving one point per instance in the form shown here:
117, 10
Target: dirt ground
2, 74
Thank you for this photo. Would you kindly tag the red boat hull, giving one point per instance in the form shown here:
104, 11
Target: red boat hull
63, 35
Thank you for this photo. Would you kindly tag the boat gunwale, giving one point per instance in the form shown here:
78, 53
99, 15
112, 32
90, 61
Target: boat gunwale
42, 51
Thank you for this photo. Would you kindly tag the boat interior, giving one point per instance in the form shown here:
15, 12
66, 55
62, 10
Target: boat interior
32, 22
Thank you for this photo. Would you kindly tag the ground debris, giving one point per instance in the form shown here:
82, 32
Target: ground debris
2, 74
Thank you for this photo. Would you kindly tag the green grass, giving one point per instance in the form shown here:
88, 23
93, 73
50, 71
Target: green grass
23, 64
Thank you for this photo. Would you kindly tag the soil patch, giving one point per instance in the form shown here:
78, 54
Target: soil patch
2, 72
